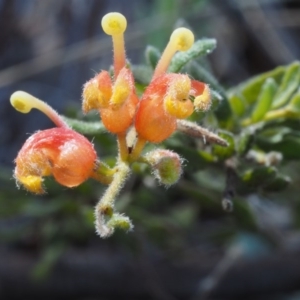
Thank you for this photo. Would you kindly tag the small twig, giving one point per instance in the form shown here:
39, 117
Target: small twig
229, 190
197, 131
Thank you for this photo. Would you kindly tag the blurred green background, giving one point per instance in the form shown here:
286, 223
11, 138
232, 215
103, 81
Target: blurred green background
184, 244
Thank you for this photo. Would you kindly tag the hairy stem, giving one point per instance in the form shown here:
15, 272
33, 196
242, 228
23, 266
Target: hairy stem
137, 150
104, 211
123, 149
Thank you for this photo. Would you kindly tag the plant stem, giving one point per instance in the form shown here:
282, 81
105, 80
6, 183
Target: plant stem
123, 149
103, 173
138, 148
105, 206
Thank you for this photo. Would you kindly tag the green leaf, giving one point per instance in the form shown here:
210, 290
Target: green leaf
245, 141
142, 74
224, 152
294, 104
289, 146
152, 55
223, 110
259, 176
279, 183
200, 48
198, 72
49, 257
274, 134
288, 86
238, 104
195, 160
83, 127
250, 89
264, 101
184, 214
244, 215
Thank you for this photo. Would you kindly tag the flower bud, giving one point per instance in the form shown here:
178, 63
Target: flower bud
165, 100
61, 152
166, 165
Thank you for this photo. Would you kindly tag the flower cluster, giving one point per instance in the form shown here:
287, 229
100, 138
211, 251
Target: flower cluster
153, 117
167, 98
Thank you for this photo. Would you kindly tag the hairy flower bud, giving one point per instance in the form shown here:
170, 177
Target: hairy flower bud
61, 152
166, 165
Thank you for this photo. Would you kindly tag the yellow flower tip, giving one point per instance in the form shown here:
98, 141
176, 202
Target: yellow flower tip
203, 101
182, 38
114, 23
92, 97
32, 183
22, 102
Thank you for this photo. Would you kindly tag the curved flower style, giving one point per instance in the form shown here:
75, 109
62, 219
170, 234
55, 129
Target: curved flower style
61, 152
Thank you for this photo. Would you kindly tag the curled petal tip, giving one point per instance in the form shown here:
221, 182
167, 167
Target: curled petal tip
202, 102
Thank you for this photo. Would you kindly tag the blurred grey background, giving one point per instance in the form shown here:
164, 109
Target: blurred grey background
51, 48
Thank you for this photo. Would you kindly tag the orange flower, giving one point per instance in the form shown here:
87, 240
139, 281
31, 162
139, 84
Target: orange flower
116, 102
61, 152
152, 122
169, 96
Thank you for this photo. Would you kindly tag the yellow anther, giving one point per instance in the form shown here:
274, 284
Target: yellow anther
24, 102
114, 23
182, 38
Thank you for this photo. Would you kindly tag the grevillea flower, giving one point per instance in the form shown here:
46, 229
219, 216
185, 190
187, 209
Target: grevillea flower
115, 99
169, 96
60, 151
